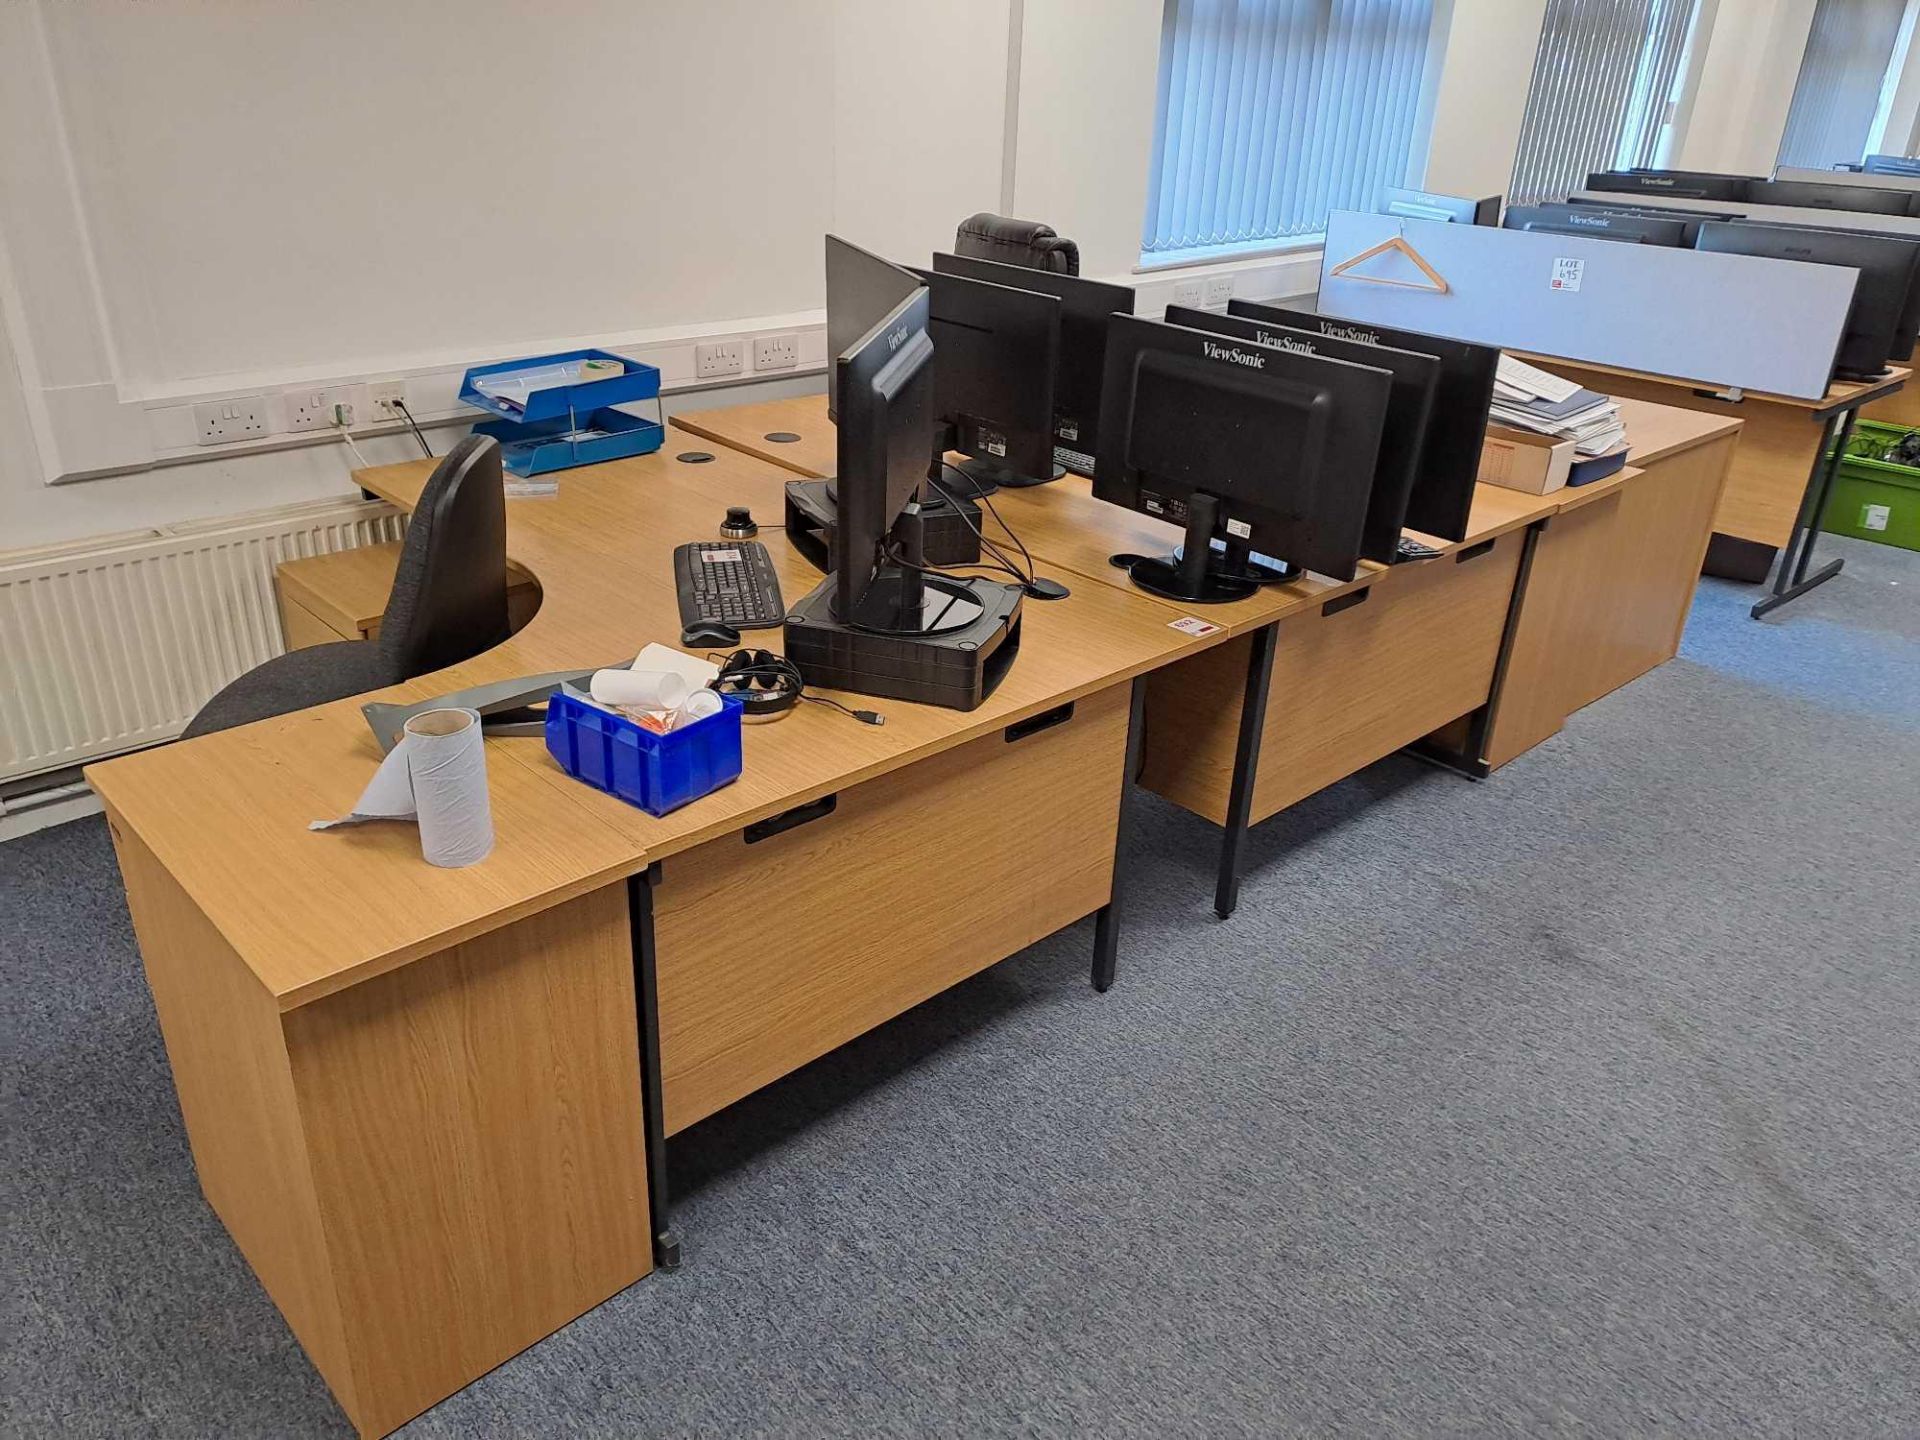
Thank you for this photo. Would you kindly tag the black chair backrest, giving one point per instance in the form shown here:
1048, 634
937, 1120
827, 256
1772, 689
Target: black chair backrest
1016, 242
449, 599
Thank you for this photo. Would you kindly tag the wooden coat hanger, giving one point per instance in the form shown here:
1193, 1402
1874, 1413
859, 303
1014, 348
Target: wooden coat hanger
1397, 243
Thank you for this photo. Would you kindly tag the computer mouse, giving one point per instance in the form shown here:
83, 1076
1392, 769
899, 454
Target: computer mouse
709, 632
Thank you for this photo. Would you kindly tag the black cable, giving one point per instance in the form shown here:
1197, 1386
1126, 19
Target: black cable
1026, 577
401, 406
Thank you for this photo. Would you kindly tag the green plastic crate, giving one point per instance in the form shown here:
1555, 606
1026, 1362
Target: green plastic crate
1875, 499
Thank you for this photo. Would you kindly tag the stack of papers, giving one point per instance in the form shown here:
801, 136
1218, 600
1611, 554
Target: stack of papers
1531, 399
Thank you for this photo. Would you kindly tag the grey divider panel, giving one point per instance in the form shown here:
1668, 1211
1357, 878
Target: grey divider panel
1721, 320
1903, 225
1848, 177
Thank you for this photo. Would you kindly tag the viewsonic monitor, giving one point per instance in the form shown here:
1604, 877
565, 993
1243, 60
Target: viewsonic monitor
1423, 205
998, 348
1403, 436
883, 394
1085, 306
1264, 449
1442, 496
1678, 184
1880, 294
1595, 224
1812, 195
1689, 220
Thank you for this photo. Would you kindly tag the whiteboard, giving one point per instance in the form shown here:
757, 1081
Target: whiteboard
1720, 320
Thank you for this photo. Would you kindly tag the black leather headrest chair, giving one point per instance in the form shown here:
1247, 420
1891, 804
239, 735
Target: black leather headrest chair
1016, 242
448, 603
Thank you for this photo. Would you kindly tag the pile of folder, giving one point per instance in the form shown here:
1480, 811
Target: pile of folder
1530, 399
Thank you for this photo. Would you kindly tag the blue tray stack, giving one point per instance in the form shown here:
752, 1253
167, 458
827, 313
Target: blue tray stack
569, 422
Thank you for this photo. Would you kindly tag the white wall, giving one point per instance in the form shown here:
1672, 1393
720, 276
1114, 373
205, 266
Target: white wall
1482, 95
1739, 110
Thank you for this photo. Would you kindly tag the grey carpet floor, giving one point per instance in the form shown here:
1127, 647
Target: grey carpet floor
1584, 1101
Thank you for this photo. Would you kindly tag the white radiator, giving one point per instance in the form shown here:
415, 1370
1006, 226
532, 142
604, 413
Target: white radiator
113, 644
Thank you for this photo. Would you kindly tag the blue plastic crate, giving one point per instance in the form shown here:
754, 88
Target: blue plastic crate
659, 773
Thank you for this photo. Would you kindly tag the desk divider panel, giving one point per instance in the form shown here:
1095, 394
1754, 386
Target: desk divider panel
1724, 320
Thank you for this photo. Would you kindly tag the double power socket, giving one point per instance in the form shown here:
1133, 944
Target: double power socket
254, 417
721, 358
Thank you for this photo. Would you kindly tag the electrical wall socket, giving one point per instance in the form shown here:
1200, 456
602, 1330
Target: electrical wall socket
722, 357
312, 409
776, 352
1191, 293
1219, 291
380, 397
221, 422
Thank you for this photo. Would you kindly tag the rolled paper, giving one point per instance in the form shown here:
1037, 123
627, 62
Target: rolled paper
436, 775
639, 689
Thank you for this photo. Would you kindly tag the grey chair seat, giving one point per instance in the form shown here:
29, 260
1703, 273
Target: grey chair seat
294, 681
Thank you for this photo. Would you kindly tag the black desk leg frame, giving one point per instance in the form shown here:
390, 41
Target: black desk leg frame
646, 996
1813, 509
1246, 762
1106, 923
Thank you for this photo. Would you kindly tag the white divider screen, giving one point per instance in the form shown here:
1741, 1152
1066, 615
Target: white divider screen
1720, 320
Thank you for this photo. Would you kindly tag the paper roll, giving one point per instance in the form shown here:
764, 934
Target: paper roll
639, 689
437, 774
697, 706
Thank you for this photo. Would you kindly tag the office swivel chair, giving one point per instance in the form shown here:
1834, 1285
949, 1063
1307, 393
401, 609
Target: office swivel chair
448, 603
1016, 242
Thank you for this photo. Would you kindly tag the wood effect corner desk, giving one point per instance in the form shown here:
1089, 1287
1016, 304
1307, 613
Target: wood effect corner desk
1474, 657
1783, 470
430, 1105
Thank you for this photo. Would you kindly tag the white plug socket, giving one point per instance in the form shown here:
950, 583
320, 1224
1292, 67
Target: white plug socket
722, 357
221, 422
776, 352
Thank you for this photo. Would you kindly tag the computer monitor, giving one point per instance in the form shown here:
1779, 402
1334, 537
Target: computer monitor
1679, 184
1886, 272
1085, 306
1892, 165
1442, 496
1813, 195
1263, 448
862, 290
1595, 224
1906, 325
1415, 378
883, 396
993, 387
1423, 205
1689, 220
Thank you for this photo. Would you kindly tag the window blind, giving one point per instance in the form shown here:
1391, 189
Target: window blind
1838, 93
1274, 112
1603, 80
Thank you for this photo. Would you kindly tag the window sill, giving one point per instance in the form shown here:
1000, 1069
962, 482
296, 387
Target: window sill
1224, 254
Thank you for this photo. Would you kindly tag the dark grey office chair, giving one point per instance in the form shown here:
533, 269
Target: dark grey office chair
1016, 242
448, 603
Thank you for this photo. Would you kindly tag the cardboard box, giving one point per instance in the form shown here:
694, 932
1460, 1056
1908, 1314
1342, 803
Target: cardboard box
1523, 460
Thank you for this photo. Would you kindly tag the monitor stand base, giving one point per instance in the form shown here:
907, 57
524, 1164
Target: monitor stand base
958, 667
1163, 578
994, 477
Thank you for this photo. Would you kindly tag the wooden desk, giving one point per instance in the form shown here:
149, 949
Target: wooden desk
1477, 655
366, 1047
1776, 467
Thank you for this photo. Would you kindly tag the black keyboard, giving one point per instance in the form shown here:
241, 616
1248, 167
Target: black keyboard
731, 581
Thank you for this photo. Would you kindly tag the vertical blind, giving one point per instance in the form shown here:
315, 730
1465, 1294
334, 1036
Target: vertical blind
1598, 100
1274, 112
1838, 92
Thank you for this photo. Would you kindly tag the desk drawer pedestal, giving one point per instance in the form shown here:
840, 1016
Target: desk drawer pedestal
1353, 681
430, 1170
778, 945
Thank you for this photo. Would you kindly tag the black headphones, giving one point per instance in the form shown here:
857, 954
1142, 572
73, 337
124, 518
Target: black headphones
767, 684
